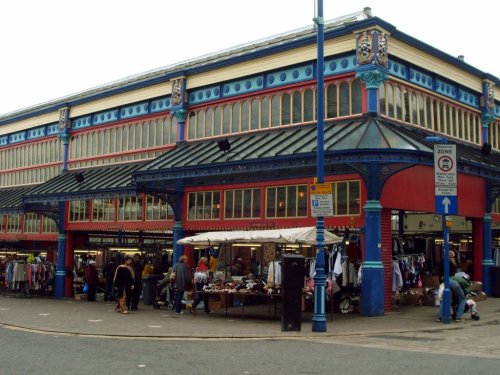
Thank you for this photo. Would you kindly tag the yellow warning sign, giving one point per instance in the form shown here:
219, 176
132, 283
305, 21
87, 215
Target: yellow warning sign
321, 188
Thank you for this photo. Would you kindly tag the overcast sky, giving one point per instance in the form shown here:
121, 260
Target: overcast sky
53, 48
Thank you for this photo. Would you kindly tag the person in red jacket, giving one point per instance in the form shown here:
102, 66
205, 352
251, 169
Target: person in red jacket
200, 280
91, 278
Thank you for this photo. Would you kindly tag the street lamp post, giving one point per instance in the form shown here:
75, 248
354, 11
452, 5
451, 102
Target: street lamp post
319, 317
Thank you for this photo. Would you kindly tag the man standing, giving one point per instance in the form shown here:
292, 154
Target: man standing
137, 266
109, 274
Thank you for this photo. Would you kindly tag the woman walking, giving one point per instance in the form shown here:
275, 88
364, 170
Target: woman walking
182, 282
124, 283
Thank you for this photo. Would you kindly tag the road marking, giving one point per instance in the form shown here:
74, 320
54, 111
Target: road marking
155, 326
44, 314
141, 365
4, 308
95, 320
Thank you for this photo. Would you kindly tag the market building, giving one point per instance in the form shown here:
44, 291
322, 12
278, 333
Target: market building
228, 141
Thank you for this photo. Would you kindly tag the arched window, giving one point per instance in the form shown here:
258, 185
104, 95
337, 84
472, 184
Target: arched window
235, 118
112, 140
460, 124
428, 112
118, 141
331, 101
255, 114
275, 110
192, 125
309, 109
414, 116
297, 107
344, 99
285, 109
264, 114
138, 141
357, 96
218, 121
382, 98
226, 119
105, 149
245, 116
421, 110
390, 100
399, 103
209, 126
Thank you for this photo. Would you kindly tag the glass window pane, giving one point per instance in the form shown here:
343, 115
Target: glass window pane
245, 116
192, 125
354, 198
238, 204
344, 98
255, 115
226, 121
308, 105
331, 101
285, 109
264, 114
209, 126
291, 201
256, 203
235, 125
228, 204
297, 107
217, 121
357, 96
275, 110
281, 200
271, 202
341, 198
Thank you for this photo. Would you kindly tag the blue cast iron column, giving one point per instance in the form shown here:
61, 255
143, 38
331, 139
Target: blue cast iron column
372, 285
319, 316
178, 228
372, 58
487, 238
64, 135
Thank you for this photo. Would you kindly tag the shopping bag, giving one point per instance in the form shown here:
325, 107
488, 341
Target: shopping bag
85, 288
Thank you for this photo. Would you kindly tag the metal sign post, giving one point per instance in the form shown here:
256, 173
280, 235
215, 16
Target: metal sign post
446, 203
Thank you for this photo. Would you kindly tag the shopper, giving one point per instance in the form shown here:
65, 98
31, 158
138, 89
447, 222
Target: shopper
91, 278
124, 284
200, 280
137, 265
182, 281
109, 273
459, 287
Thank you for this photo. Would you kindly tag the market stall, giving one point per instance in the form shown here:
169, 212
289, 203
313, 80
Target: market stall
248, 286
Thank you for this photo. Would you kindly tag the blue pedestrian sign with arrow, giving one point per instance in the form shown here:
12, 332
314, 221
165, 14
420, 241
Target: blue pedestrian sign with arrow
446, 205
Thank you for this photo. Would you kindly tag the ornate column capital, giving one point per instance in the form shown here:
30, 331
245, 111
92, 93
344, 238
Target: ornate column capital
180, 114
372, 77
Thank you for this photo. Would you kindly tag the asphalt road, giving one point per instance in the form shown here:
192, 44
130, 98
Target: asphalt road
472, 350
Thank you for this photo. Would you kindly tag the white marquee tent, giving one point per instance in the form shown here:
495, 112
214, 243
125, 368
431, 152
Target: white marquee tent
305, 235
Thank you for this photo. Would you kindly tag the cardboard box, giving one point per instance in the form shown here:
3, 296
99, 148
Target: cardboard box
429, 281
480, 297
476, 286
214, 305
413, 296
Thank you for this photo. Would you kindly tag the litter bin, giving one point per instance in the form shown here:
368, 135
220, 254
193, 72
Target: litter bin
149, 288
495, 281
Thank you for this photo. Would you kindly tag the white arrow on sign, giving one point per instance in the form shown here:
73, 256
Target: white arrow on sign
446, 203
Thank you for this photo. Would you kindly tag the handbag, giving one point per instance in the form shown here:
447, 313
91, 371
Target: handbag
85, 288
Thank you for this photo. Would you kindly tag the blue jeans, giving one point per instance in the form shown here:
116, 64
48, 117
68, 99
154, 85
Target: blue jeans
178, 300
457, 290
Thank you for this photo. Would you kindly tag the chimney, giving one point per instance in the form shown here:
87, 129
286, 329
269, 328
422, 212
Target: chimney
368, 12
461, 57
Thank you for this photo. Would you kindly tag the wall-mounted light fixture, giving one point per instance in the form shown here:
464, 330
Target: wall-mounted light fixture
224, 145
79, 177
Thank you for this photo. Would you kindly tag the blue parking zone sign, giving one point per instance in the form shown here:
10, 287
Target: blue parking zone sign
446, 204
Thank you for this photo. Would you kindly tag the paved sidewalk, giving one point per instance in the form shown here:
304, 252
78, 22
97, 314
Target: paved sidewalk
99, 318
